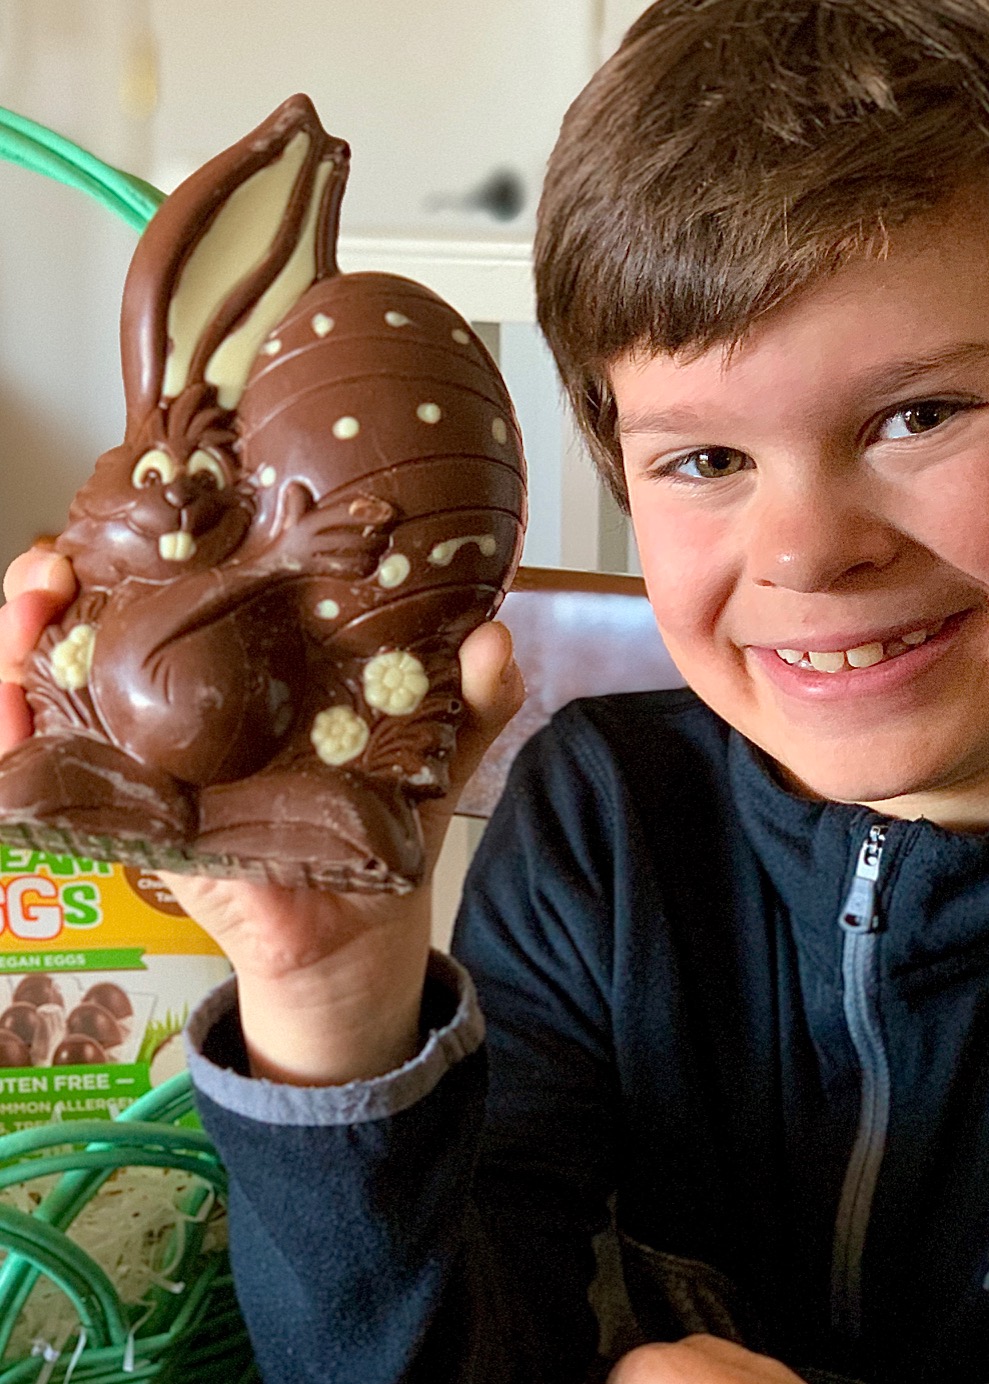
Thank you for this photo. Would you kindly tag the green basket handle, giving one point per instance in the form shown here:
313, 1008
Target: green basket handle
34, 146
83, 1281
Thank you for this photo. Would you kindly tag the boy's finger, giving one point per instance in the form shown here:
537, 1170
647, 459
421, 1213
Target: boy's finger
40, 569
489, 678
15, 717
493, 691
22, 621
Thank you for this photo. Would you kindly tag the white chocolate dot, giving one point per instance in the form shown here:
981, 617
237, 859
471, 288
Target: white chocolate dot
328, 609
346, 428
499, 431
429, 413
460, 336
267, 475
272, 347
393, 570
397, 319
322, 325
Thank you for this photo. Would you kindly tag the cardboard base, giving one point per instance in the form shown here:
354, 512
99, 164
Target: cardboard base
274, 869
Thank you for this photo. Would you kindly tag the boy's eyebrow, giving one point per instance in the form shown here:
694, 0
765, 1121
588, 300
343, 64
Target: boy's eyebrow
652, 419
897, 375
888, 379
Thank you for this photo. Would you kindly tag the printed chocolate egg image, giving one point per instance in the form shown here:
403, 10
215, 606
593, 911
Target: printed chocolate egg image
22, 1020
111, 998
93, 1021
38, 989
320, 493
78, 1051
38, 1026
14, 1052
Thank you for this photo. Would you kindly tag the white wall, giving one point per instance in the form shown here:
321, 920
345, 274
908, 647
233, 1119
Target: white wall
431, 94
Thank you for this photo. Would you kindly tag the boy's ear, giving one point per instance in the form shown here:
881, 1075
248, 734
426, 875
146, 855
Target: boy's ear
226, 256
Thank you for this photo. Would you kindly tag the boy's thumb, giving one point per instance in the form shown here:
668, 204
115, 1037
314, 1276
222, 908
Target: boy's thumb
493, 691
490, 678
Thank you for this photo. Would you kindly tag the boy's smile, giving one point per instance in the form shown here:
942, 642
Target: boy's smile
812, 513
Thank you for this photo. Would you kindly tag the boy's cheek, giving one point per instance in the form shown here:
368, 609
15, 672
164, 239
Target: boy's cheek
691, 575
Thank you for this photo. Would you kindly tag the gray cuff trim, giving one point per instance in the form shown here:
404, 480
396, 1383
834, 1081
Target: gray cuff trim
357, 1102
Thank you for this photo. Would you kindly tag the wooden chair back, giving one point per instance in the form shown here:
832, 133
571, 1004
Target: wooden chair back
577, 634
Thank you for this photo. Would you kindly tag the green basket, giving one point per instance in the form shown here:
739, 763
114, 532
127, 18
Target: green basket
187, 1327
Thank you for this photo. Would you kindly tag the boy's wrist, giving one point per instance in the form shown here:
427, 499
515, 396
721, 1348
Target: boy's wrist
344, 1018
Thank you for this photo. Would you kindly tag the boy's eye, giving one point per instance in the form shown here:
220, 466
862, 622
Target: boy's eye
710, 463
918, 418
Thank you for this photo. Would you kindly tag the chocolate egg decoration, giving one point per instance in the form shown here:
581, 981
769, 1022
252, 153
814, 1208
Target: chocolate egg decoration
320, 493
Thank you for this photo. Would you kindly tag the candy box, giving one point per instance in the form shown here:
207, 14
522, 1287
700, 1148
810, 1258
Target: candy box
99, 967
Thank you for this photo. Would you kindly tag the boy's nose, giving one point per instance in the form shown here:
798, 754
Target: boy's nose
814, 541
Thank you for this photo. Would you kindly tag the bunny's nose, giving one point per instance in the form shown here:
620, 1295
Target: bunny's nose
182, 491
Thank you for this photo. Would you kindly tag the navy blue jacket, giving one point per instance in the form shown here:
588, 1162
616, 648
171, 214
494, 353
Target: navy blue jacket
748, 1030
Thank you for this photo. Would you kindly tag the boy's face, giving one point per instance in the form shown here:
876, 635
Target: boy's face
826, 490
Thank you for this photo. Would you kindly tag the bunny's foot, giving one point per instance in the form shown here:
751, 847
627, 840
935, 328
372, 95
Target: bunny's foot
84, 791
314, 825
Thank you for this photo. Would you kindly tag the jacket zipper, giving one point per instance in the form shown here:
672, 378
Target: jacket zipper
860, 923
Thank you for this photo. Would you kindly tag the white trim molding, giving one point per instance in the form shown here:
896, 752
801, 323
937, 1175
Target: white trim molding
487, 280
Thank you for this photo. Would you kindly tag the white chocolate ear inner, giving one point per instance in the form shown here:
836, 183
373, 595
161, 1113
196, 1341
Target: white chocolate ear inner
237, 241
230, 364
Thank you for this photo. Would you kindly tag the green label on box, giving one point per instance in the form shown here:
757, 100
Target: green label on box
29, 1095
98, 959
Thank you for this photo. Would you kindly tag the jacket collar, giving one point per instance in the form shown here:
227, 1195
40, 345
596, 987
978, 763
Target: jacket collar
933, 885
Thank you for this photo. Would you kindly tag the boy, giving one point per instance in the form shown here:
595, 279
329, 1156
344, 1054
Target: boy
733, 947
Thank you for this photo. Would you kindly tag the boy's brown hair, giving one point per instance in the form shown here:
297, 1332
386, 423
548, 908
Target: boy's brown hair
732, 151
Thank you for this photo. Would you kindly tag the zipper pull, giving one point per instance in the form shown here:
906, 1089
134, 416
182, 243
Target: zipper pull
859, 912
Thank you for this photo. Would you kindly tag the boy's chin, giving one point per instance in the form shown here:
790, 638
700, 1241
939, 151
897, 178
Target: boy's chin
895, 792
851, 783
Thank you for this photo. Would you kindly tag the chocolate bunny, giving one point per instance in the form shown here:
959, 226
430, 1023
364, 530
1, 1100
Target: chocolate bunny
319, 494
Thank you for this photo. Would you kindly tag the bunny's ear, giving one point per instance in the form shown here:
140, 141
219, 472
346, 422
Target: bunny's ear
226, 256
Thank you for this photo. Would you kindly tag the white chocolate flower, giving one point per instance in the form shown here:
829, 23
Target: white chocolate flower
72, 658
395, 683
338, 735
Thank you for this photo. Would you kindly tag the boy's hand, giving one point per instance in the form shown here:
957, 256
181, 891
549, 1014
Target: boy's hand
330, 985
699, 1360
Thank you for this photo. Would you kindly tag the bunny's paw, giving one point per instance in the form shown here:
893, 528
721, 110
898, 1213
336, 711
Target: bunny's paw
84, 793
315, 824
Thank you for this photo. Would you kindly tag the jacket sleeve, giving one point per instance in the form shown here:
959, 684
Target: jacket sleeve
435, 1225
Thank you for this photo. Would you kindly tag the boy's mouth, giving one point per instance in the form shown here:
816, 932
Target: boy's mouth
862, 655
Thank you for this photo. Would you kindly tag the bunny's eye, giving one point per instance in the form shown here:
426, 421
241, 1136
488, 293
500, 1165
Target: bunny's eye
154, 466
201, 461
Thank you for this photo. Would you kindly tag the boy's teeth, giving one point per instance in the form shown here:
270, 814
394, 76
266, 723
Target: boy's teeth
827, 663
863, 656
